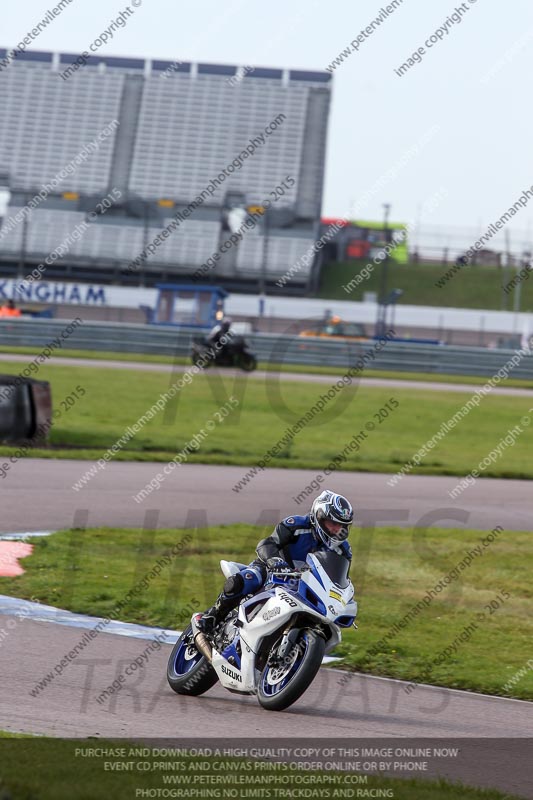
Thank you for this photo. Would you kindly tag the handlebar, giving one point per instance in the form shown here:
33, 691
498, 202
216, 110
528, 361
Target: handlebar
288, 573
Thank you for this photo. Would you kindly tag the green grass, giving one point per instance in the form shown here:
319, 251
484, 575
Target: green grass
472, 287
99, 355
89, 572
398, 375
115, 400
49, 769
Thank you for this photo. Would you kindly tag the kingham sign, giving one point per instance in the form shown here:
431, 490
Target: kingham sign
85, 294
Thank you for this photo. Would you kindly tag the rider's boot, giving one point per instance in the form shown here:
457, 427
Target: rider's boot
247, 581
222, 606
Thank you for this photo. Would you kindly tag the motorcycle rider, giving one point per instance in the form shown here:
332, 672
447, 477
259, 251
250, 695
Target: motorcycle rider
217, 333
326, 527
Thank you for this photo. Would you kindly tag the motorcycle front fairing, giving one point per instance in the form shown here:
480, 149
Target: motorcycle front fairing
313, 595
327, 586
328, 593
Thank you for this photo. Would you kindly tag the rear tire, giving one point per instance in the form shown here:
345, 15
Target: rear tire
276, 693
188, 671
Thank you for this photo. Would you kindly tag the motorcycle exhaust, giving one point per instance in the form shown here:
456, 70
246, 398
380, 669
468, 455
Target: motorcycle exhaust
200, 641
201, 644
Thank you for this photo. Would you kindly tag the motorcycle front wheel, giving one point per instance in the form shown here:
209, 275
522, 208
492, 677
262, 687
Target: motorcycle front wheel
283, 681
188, 671
247, 362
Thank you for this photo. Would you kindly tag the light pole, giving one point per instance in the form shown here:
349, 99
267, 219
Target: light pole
382, 300
146, 234
264, 262
5, 197
523, 264
23, 246
393, 299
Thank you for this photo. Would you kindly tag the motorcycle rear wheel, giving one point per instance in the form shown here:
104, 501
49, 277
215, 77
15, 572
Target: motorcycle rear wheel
280, 686
188, 671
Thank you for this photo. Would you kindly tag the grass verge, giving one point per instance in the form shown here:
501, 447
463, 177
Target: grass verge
471, 287
266, 410
56, 769
393, 569
99, 355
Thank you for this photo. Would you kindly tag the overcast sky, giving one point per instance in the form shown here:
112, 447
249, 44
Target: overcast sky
475, 85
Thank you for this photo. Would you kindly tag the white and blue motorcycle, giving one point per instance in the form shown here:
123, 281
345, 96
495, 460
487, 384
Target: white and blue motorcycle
272, 645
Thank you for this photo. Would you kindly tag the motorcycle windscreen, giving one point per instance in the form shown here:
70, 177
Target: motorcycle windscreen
336, 566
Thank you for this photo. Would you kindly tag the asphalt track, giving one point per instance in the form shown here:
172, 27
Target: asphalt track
37, 495
362, 706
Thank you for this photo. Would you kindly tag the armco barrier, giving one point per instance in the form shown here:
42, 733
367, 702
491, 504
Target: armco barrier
271, 348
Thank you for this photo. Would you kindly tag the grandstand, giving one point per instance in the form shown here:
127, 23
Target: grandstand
171, 140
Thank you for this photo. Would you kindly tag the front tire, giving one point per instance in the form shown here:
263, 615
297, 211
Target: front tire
247, 362
188, 671
280, 686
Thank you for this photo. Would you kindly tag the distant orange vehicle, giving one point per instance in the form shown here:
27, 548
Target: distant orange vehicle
336, 328
9, 310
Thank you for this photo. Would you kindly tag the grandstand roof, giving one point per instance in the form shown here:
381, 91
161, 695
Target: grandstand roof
149, 65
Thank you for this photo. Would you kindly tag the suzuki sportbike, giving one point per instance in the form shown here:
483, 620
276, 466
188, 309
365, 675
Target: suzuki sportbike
273, 644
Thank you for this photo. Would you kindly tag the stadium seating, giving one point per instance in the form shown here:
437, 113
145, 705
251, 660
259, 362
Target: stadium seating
46, 122
179, 126
179, 153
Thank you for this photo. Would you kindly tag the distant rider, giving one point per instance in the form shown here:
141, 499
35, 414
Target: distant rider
217, 333
326, 527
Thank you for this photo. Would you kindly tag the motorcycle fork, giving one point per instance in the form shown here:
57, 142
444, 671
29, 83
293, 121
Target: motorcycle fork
288, 641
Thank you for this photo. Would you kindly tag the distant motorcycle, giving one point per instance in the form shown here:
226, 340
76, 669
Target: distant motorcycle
273, 644
233, 354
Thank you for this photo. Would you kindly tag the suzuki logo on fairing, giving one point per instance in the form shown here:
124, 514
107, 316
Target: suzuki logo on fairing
231, 674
